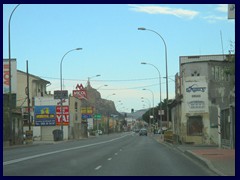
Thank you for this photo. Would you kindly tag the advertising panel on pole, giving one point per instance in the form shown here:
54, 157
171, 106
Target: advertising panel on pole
80, 92
196, 95
6, 76
59, 115
61, 94
44, 115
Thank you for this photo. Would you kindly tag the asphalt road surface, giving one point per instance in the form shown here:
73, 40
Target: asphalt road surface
125, 154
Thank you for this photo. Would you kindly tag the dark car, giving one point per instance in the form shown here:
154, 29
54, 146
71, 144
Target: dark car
143, 132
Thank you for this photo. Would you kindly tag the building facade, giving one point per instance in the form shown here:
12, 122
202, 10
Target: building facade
202, 91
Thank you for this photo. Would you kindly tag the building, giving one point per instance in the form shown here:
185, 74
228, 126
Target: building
37, 88
202, 94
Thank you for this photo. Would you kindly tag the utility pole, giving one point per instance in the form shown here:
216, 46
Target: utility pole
28, 99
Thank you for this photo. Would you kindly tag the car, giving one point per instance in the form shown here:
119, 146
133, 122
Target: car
143, 132
99, 132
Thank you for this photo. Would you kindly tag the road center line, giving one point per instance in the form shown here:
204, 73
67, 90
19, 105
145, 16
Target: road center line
97, 168
109, 159
59, 151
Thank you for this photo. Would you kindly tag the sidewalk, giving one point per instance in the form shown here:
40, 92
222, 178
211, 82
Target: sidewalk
221, 161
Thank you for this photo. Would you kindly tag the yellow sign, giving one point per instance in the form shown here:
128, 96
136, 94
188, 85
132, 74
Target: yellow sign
86, 110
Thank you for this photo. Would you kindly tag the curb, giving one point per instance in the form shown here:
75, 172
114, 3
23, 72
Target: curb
203, 161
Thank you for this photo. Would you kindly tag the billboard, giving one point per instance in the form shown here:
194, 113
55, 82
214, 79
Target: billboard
80, 92
6, 76
65, 115
196, 94
44, 115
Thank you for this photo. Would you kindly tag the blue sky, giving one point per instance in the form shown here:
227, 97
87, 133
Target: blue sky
112, 45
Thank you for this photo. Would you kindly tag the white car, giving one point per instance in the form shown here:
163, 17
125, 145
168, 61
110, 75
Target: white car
99, 132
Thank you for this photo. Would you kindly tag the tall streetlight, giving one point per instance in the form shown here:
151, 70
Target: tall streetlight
149, 104
10, 77
108, 112
88, 83
76, 49
97, 111
102, 86
143, 29
160, 96
152, 102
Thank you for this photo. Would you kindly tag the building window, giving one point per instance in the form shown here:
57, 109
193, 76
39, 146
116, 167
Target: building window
194, 126
76, 105
76, 117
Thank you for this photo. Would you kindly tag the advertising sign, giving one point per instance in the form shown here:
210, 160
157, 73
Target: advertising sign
86, 110
6, 76
80, 92
65, 115
86, 116
44, 115
90, 123
61, 94
196, 96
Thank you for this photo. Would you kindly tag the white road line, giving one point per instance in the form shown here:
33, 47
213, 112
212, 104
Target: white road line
116, 154
97, 168
59, 151
109, 159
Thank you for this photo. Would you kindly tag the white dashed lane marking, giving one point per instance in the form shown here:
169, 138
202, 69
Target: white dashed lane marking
97, 168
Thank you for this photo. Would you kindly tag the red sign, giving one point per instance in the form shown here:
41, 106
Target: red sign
80, 92
65, 115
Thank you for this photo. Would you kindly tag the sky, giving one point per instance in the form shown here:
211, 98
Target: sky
113, 47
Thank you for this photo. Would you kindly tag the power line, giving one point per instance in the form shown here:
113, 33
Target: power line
109, 80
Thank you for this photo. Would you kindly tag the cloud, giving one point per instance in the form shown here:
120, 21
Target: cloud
222, 8
214, 18
178, 12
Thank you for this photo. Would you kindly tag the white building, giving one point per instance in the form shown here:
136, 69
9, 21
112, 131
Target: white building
202, 91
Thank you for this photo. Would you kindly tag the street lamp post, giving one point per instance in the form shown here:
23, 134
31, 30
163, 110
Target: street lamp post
108, 112
152, 102
61, 86
88, 83
149, 104
96, 110
142, 28
160, 95
12, 138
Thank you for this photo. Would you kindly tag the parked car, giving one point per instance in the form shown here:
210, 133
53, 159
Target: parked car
143, 132
99, 132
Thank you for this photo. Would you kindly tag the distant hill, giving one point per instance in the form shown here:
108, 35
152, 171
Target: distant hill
101, 106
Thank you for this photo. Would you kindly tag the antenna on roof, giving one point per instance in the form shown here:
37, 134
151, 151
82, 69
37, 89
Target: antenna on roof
222, 44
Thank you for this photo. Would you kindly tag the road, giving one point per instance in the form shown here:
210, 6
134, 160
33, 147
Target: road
125, 154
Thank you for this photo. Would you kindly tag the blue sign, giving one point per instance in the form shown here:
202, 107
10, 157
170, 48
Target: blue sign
45, 115
86, 116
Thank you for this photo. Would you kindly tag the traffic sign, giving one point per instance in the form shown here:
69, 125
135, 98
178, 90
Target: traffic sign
97, 116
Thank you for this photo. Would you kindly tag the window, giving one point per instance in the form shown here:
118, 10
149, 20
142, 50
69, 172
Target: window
76, 105
194, 126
